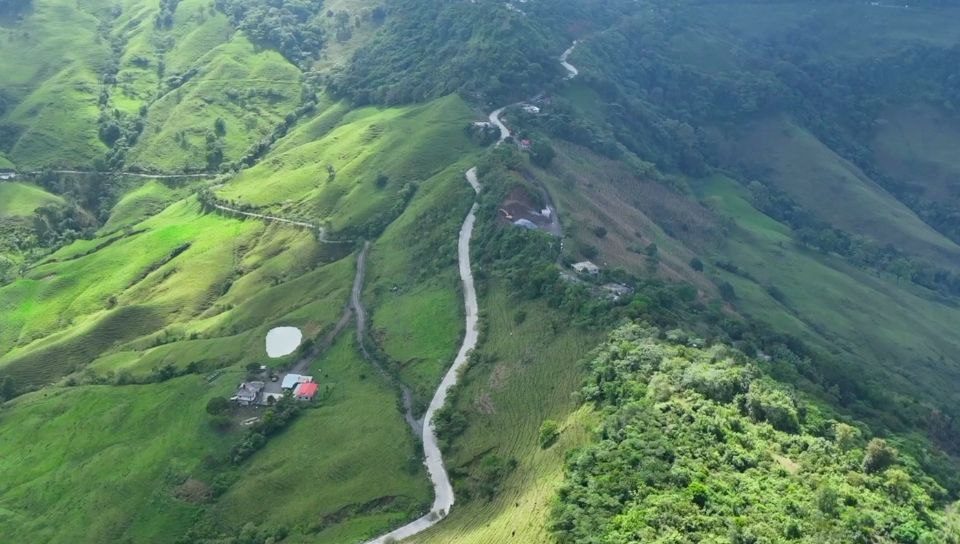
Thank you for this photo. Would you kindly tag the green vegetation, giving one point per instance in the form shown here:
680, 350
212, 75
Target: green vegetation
22, 199
696, 443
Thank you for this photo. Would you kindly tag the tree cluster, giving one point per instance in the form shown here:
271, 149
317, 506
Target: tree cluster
697, 444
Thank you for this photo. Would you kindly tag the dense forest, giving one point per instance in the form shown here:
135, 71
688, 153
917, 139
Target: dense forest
696, 444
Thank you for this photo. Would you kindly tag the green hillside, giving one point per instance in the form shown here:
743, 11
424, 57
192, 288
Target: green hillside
717, 266
22, 199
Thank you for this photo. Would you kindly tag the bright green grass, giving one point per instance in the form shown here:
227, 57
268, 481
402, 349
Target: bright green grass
250, 89
21, 199
353, 450
55, 86
730, 199
99, 464
407, 144
139, 204
533, 376
5, 163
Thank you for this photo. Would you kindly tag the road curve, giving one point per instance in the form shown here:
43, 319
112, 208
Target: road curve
443, 491
572, 71
495, 119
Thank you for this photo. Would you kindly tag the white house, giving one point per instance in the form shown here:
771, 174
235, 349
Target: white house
586, 267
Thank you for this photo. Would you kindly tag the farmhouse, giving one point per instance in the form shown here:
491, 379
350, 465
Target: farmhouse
305, 391
530, 108
290, 381
7, 174
248, 393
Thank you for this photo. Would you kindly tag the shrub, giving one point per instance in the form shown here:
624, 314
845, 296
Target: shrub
549, 432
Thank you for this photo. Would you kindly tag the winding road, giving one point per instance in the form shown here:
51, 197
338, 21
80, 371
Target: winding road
572, 72
443, 491
433, 458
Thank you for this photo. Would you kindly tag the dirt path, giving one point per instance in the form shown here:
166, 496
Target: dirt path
443, 491
356, 303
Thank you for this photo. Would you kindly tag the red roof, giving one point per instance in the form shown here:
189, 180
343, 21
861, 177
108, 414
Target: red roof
307, 390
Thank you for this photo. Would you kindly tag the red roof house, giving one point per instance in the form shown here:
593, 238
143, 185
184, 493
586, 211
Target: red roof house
305, 391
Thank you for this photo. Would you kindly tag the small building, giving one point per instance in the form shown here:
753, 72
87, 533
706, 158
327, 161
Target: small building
305, 391
248, 393
530, 108
587, 267
291, 380
525, 144
7, 175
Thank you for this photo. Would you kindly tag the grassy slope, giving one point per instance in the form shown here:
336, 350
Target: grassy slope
55, 87
836, 191
352, 452
69, 454
858, 316
407, 144
532, 377
917, 144
21, 199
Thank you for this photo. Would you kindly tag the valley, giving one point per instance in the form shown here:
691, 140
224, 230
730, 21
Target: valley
555, 272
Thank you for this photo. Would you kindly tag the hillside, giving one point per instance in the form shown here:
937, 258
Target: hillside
708, 252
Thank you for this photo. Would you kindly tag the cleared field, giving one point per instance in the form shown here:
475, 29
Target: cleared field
21, 199
67, 454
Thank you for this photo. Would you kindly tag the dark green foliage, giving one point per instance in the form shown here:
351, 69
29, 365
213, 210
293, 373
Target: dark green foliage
293, 27
217, 406
696, 264
878, 456
273, 421
433, 48
542, 154
707, 463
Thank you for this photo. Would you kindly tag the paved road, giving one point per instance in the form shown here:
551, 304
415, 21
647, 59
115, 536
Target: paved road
443, 491
495, 119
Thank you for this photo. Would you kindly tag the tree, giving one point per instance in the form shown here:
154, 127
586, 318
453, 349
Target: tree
542, 154
878, 456
8, 388
220, 126
696, 264
217, 406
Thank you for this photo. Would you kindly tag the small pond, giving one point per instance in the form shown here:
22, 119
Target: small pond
283, 341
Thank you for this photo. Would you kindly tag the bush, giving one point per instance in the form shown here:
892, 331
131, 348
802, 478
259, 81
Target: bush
549, 432
878, 456
217, 406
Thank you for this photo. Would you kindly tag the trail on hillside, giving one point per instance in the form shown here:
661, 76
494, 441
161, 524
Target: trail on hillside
108, 173
321, 231
360, 312
572, 71
443, 490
